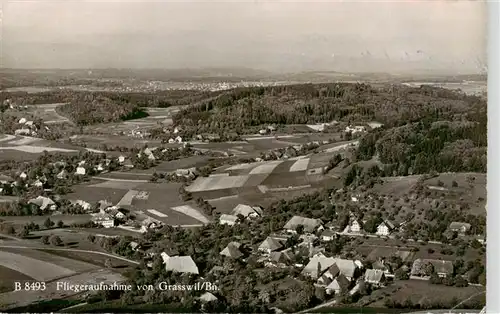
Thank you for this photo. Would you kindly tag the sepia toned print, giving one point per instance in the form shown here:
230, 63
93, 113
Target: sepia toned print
243, 156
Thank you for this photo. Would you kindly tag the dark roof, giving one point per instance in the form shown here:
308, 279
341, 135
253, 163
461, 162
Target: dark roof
271, 244
232, 250
309, 224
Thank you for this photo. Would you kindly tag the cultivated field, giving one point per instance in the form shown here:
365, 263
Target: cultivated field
29, 148
47, 112
9, 277
34, 268
422, 292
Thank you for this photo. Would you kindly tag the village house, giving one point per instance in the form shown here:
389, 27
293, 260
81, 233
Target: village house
375, 277
354, 226
121, 159
346, 267
23, 175
381, 265
442, 268
232, 250
355, 129
134, 246
247, 211
38, 184
80, 171
149, 223
270, 244
310, 225
62, 175
385, 228
178, 139
328, 235
85, 205
207, 297
460, 227
104, 220
263, 131
22, 132
339, 285
327, 277
180, 264
280, 259
43, 203
226, 219
115, 212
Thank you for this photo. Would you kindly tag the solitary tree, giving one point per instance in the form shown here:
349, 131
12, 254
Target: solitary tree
45, 239
55, 240
48, 223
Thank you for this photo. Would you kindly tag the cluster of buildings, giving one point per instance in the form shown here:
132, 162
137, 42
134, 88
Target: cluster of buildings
26, 127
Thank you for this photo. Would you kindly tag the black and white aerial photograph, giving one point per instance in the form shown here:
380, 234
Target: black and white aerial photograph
243, 156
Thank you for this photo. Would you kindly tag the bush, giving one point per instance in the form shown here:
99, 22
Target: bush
55, 240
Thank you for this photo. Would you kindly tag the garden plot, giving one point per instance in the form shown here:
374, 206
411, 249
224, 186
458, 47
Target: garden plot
34, 268
300, 165
190, 211
217, 183
266, 168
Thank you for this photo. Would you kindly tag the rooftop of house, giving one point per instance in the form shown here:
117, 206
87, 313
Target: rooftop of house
228, 218
42, 202
309, 224
271, 243
460, 225
232, 250
181, 264
374, 275
246, 210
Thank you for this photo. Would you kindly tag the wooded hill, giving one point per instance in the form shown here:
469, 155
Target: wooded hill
425, 128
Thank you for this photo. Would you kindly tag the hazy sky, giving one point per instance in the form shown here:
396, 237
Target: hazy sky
274, 35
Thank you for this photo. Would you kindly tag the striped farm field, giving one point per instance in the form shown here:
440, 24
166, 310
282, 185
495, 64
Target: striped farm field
190, 211
300, 165
277, 180
34, 268
266, 168
216, 183
71, 264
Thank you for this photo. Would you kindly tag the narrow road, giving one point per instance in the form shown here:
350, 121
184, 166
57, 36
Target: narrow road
69, 250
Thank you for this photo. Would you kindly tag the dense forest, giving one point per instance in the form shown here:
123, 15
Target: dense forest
392, 105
